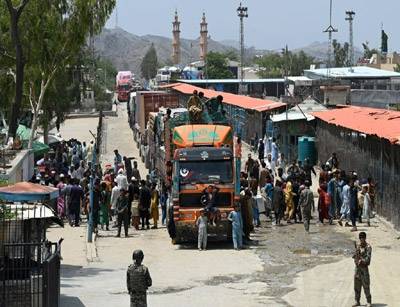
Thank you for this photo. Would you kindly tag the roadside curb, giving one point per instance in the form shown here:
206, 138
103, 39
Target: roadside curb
388, 225
91, 249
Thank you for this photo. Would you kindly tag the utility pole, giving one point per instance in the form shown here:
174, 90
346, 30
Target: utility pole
330, 30
242, 13
91, 193
350, 18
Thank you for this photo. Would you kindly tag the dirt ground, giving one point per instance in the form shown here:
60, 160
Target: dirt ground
281, 266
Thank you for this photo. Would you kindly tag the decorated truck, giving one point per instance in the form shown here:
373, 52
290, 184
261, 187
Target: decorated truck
187, 159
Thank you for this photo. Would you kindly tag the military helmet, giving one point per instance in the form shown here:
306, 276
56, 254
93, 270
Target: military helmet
138, 255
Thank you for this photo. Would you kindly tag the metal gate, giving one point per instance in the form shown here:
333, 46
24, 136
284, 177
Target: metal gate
51, 279
30, 275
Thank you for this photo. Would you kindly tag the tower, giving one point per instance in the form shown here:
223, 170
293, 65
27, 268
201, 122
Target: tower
330, 30
176, 42
203, 38
350, 18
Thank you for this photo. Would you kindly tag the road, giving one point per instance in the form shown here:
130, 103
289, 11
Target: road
283, 266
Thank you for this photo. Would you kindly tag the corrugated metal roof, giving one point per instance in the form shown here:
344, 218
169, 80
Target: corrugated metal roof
237, 81
382, 123
300, 111
351, 72
245, 102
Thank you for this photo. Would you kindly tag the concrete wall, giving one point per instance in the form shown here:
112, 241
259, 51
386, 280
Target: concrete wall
375, 98
21, 170
369, 157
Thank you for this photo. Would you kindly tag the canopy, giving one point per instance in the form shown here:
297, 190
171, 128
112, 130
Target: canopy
39, 149
27, 191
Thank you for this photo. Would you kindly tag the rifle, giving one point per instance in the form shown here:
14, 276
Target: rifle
356, 254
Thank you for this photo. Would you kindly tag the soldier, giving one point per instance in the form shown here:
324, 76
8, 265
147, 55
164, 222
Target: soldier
138, 280
362, 259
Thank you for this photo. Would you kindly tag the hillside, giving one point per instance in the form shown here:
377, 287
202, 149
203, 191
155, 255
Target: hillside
126, 50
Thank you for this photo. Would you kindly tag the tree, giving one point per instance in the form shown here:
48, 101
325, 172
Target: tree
341, 54
217, 66
275, 65
368, 53
15, 13
45, 36
232, 55
61, 29
149, 64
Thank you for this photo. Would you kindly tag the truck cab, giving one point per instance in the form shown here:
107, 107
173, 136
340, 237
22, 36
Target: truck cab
203, 156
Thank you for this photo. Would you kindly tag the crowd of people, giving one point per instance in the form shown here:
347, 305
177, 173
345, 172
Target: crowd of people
121, 197
273, 185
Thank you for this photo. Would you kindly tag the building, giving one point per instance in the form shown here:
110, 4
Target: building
387, 61
247, 114
203, 38
176, 40
296, 122
359, 85
366, 140
259, 88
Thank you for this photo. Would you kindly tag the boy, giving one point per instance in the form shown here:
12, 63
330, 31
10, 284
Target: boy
135, 211
237, 227
201, 223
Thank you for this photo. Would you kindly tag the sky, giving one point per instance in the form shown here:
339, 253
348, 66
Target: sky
271, 24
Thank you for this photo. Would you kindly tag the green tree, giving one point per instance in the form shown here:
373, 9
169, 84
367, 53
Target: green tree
45, 36
341, 54
368, 53
231, 55
149, 64
217, 66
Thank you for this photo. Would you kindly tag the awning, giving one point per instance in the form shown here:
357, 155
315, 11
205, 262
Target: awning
27, 191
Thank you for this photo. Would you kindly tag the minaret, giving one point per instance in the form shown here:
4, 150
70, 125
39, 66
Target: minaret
203, 38
176, 43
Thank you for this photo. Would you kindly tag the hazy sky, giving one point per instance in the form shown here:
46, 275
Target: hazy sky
271, 23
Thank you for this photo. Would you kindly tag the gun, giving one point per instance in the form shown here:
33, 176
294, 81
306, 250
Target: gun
356, 254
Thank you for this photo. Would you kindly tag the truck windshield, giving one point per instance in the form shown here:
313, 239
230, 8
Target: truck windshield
124, 87
213, 171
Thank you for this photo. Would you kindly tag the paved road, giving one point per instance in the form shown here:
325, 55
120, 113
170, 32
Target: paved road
282, 267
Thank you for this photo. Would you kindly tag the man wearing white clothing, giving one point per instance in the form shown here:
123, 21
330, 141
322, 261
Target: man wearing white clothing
121, 180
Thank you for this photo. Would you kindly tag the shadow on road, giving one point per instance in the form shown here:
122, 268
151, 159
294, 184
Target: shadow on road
71, 271
70, 301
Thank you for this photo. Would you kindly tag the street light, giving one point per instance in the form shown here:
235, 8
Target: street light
242, 13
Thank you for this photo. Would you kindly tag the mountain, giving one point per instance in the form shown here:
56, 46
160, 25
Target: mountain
126, 50
319, 50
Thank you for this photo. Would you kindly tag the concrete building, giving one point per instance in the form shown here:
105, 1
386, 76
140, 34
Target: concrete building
176, 41
203, 38
360, 85
387, 62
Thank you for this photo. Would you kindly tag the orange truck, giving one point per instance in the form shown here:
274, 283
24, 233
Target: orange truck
193, 157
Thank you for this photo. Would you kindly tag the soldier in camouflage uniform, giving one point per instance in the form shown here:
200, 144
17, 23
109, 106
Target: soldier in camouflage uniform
138, 280
362, 259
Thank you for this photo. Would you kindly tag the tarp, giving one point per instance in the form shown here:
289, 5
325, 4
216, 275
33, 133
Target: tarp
27, 191
382, 123
39, 149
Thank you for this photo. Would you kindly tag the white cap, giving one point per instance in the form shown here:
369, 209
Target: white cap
133, 178
62, 175
120, 171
